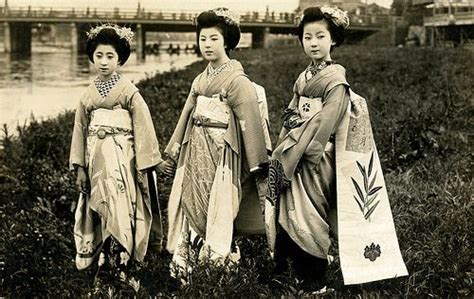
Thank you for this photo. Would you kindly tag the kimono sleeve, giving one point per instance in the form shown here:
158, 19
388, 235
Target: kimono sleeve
335, 105
147, 150
293, 104
174, 145
77, 155
243, 102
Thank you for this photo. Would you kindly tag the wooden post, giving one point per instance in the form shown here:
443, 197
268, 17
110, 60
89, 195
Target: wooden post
6, 37
141, 42
261, 38
17, 37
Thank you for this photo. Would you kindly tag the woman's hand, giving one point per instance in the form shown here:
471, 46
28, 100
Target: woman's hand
292, 119
167, 167
81, 181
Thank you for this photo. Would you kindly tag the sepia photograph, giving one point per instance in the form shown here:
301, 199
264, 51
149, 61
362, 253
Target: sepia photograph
236, 149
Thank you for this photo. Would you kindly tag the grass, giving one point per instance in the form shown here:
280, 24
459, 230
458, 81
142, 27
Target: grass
421, 106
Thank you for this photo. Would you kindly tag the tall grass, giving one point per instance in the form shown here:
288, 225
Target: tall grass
420, 102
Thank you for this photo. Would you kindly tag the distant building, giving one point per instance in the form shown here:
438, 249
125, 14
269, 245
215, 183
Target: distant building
448, 21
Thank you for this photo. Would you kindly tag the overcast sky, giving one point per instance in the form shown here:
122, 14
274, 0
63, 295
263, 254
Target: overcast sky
176, 5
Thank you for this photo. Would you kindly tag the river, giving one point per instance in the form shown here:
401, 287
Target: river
53, 79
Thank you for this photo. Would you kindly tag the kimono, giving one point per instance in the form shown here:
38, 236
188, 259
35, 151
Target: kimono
217, 143
331, 138
115, 142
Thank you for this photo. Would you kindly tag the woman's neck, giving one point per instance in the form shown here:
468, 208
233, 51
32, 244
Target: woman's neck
218, 62
106, 78
318, 61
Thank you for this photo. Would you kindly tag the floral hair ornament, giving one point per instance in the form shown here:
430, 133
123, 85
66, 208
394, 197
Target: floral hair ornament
230, 17
123, 32
338, 16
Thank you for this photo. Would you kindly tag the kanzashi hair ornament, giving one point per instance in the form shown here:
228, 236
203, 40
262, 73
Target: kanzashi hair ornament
338, 16
230, 17
123, 32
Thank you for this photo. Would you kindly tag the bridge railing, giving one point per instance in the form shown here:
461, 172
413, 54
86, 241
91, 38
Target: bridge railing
103, 15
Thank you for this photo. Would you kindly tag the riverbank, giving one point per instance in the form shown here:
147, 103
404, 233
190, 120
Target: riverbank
48, 83
420, 102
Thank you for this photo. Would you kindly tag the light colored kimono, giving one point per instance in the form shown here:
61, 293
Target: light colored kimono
115, 142
218, 140
309, 195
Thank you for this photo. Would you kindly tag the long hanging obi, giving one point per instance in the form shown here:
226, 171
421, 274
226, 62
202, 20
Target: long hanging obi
105, 144
218, 139
368, 245
319, 172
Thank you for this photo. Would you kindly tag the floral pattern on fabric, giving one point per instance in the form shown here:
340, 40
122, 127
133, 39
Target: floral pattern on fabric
114, 255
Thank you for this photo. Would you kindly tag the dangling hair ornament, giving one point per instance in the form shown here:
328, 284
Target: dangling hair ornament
123, 32
230, 17
338, 16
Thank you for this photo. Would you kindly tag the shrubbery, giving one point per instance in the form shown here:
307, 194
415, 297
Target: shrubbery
420, 105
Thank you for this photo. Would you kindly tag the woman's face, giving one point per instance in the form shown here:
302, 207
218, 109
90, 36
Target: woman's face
317, 41
105, 61
211, 44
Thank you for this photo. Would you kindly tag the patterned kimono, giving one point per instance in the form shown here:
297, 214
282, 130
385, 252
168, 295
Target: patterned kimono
327, 134
217, 142
115, 142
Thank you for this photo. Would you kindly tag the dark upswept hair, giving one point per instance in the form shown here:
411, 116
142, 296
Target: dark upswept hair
109, 36
230, 32
314, 14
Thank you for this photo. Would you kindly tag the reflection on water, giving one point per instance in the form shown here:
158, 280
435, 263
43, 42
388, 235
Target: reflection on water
51, 81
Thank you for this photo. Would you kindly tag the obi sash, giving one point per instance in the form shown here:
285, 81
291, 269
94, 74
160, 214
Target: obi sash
307, 107
106, 122
211, 112
368, 245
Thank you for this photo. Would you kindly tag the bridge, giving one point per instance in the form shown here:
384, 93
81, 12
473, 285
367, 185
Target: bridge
18, 22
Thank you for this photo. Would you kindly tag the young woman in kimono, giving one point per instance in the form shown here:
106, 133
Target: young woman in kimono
114, 150
321, 94
219, 147
313, 146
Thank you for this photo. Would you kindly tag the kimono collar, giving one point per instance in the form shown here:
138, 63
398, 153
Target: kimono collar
109, 88
211, 72
306, 88
313, 69
219, 80
104, 87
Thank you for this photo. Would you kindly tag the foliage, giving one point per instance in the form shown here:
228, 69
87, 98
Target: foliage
421, 111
